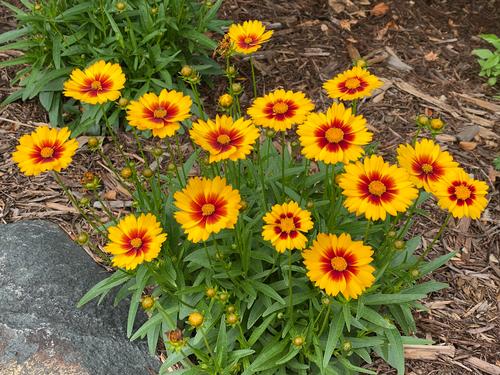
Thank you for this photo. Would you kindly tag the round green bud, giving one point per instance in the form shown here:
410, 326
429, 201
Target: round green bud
120, 6
232, 319
147, 172
270, 133
84, 202
346, 346
147, 302
93, 142
230, 309
210, 292
223, 296
157, 152
82, 238
399, 245
415, 273
422, 120
171, 167
298, 341
392, 234
186, 71
280, 316
325, 301
123, 102
126, 172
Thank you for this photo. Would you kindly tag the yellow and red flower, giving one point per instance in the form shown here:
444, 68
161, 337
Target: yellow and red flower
352, 84
426, 162
224, 138
280, 109
461, 195
99, 83
284, 226
206, 206
339, 265
160, 114
335, 137
45, 149
376, 188
135, 240
249, 36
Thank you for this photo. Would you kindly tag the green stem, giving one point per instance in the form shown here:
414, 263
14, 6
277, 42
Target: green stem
367, 231
254, 82
290, 292
179, 156
438, 236
261, 174
198, 101
283, 148
415, 137
323, 326
75, 203
354, 107
172, 157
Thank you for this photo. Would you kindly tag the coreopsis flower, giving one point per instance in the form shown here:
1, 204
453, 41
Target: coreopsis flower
99, 83
336, 136
426, 162
249, 36
206, 206
339, 265
135, 240
285, 226
224, 138
461, 195
160, 114
45, 149
280, 109
352, 84
376, 188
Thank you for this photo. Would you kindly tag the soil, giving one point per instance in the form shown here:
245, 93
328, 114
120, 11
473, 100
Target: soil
422, 51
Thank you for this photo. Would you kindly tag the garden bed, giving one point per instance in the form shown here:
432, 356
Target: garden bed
423, 54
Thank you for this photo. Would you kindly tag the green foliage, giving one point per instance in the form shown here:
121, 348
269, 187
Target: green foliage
150, 39
489, 60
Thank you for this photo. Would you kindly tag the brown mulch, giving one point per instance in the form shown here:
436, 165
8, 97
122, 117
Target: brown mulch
313, 41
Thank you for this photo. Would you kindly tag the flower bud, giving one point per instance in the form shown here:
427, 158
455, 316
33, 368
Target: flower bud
174, 336
157, 152
422, 120
126, 172
120, 6
210, 292
346, 346
399, 245
123, 102
270, 133
82, 238
234, 246
231, 71
360, 63
230, 309
298, 341
171, 167
147, 172
195, 319
93, 142
232, 319
236, 88
225, 101
310, 204
436, 124
244, 205
147, 302
414, 273
391, 234
186, 71
154, 10
325, 301
294, 143
84, 202
223, 297
37, 7
280, 316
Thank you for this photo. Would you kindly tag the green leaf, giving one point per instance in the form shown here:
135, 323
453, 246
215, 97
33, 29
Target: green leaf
273, 349
150, 324
267, 290
435, 264
425, 288
482, 53
118, 278
383, 299
141, 278
348, 365
396, 352
56, 51
15, 34
334, 332
221, 345
291, 354
257, 333
374, 317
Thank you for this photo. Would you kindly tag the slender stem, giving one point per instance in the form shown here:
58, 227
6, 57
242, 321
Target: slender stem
324, 322
110, 165
198, 101
415, 137
113, 135
261, 174
367, 231
104, 207
172, 157
254, 82
139, 145
283, 148
354, 107
179, 156
290, 292
75, 203
438, 236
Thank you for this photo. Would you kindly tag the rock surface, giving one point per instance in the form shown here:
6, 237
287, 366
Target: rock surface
43, 274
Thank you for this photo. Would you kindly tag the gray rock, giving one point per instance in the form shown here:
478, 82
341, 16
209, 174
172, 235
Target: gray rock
43, 275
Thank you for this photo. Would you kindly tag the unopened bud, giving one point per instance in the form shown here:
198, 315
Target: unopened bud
422, 120
280, 315
147, 302
360, 63
37, 7
399, 245
147, 172
230, 309
270, 133
154, 10
126, 172
244, 205
195, 319
231, 71
93, 142
225, 101
236, 88
232, 319
414, 273
298, 341
82, 238
171, 167
120, 6
186, 71
391, 234
84, 202
210, 292
157, 152
436, 124
325, 301
346, 346
123, 102
310, 204
223, 297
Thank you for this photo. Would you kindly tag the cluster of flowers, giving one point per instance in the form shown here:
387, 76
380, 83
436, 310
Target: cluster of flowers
371, 187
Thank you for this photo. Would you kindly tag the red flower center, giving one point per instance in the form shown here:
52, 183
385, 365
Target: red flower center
334, 135
462, 192
96, 85
47, 152
339, 264
427, 168
136, 243
207, 209
159, 113
280, 108
352, 83
377, 188
248, 40
223, 139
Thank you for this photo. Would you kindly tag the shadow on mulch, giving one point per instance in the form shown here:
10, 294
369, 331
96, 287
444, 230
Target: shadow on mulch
314, 40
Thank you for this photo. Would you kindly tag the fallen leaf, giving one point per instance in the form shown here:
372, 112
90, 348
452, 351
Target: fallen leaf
110, 195
431, 56
346, 24
324, 28
336, 6
467, 146
379, 10
391, 25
